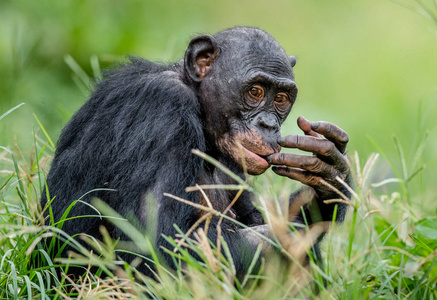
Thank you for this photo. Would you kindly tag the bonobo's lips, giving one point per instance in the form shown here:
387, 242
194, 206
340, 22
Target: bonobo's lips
256, 162
252, 156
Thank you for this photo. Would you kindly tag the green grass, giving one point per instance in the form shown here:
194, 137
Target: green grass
386, 249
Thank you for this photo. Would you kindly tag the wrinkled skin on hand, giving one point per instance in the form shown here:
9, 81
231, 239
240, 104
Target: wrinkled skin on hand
327, 143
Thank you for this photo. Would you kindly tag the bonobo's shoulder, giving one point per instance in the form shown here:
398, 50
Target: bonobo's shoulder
142, 69
143, 75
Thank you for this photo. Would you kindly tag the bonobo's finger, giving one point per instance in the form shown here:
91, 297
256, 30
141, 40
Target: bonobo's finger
319, 147
333, 133
300, 175
305, 125
312, 144
309, 163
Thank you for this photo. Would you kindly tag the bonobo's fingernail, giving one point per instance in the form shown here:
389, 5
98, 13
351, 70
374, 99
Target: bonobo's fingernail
315, 125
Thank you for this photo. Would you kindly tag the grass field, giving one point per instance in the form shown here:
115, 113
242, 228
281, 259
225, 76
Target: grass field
386, 248
369, 66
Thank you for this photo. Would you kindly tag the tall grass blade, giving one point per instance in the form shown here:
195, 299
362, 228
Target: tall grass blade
45, 132
13, 276
37, 158
352, 232
380, 150
133, 233
96, 67
401, 154
29, 287
419, 152
80, 73
41, 285
11, 110
20, 183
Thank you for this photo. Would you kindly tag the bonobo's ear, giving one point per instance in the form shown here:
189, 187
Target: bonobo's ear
292, 60
199, 56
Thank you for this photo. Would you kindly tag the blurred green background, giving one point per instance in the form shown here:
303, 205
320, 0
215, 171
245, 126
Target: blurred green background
369, 66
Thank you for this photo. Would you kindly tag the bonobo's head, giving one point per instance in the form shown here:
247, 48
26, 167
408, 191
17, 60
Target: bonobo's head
245, 84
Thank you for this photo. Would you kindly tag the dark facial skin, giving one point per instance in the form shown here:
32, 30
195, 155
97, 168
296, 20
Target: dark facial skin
247, 90
257, 112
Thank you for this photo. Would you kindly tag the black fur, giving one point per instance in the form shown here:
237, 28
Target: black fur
136, 133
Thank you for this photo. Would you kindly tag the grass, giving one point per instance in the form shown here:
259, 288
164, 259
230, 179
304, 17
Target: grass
386, 248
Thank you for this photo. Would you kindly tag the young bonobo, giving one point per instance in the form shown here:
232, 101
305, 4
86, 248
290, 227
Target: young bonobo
228, 98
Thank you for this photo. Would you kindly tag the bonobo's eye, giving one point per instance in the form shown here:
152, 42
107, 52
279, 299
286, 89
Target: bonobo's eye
282, 102
281, 98
256, 92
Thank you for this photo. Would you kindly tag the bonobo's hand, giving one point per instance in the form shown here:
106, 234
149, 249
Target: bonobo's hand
328, 143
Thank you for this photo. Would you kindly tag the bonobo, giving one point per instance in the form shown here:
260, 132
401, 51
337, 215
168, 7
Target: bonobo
228, 98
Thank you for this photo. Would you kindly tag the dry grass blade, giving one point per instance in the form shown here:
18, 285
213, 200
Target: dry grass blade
192, 228
368, 167
303, 198
343, 196
93, 287
203, 243
215, 187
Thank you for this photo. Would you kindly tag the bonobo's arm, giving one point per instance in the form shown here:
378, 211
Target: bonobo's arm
328, 143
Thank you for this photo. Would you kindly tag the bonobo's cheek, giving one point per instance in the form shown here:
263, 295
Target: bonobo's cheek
249, 150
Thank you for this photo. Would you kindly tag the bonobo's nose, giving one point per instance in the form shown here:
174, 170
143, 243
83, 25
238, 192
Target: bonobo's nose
267, 122
269, 127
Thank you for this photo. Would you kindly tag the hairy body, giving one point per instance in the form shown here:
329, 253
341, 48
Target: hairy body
227, 98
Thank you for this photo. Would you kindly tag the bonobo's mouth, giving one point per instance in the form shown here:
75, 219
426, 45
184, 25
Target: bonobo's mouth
250, 150
255, 162
260, 159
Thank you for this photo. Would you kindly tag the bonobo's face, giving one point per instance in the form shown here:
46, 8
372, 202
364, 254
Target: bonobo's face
246, 93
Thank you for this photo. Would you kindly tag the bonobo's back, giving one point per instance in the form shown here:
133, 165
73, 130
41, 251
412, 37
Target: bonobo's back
134, 135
